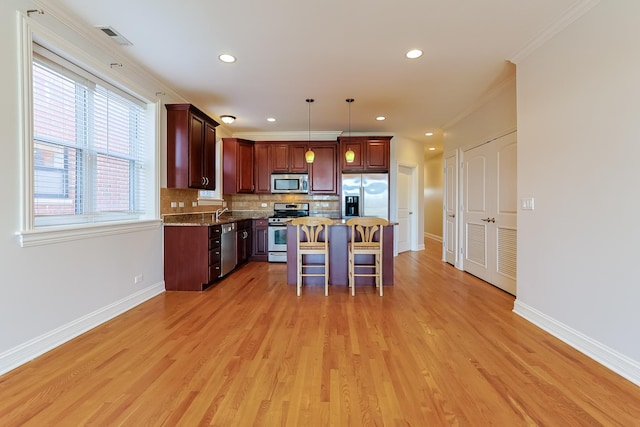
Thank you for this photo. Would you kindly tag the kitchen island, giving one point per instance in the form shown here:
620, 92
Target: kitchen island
339, 236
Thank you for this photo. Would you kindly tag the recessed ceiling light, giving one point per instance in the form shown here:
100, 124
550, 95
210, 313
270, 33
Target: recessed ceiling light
225, 57
271, 119
413, 54
429, 134
380, 118
432, 148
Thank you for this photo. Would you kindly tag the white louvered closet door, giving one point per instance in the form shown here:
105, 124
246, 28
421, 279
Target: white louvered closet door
490, 212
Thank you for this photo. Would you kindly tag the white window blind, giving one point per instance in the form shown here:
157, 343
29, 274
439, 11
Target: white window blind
88, 148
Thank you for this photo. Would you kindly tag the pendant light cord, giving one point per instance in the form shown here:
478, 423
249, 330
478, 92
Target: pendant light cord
309, 101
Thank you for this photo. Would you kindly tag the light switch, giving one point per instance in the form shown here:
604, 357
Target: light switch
181, 204
174, 204
526, 204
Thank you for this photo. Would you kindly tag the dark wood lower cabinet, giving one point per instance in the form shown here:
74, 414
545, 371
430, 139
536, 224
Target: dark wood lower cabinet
339, 235
260, 238
243, 241
191, 257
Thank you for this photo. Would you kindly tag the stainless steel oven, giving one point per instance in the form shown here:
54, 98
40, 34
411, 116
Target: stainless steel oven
277, 230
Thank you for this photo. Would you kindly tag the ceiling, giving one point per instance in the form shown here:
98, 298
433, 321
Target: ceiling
330, 50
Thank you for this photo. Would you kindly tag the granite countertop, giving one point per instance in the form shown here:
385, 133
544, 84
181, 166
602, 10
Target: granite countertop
207, 218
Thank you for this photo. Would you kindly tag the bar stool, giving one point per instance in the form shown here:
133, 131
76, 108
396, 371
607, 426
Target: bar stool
312, 238
364, 242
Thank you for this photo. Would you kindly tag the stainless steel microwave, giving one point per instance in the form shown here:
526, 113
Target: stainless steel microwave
290, 183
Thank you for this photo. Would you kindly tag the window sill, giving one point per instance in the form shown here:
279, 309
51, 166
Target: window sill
51, 235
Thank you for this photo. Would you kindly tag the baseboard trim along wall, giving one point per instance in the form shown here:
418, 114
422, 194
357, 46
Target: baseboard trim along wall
31, 349
617, 362
433, 237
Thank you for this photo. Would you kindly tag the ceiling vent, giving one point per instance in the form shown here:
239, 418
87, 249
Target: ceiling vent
115, 36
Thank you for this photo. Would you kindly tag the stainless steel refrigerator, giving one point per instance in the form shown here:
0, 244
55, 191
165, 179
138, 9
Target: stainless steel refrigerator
365, 194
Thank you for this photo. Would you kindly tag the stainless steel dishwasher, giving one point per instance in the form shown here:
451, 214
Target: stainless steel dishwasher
228, 248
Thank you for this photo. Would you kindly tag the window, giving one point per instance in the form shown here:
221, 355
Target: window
89, 146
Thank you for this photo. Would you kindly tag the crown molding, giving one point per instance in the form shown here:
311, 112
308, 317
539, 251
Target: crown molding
572, 14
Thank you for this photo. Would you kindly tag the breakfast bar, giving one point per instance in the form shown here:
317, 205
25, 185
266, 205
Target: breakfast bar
339, 236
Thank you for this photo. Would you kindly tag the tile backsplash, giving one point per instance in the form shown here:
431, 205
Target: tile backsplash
321, 205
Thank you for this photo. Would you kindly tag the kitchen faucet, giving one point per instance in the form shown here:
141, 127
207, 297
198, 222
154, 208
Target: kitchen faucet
219, 212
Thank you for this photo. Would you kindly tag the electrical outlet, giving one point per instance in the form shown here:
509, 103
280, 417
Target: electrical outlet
194, 204
174, 204
139, 278
181, 204
264, 205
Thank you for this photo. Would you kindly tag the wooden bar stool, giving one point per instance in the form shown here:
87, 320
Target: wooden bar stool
312, 238
364, 242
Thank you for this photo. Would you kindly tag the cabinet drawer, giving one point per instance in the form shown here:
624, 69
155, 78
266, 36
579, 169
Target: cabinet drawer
260, 222
214, 256
215, 231
214, 272
214, 242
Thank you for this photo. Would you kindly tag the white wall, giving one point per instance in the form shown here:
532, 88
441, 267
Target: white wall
410, 153
578, 151
433, 196
491, 119
52, 292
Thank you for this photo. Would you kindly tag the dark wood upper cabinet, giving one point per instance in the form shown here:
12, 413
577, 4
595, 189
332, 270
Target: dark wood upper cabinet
371, 153
288, 157
191, 148
280, 158
323, 172
237, 159
358, 147
297, 162
262, 167
377, 157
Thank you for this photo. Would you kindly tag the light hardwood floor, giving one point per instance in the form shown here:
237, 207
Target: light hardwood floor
440, 348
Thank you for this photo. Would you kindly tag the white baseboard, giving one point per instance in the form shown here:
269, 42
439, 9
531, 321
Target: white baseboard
433, 237
617, 362
35, 347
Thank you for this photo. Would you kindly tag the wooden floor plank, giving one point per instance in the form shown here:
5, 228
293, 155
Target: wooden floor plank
441, 347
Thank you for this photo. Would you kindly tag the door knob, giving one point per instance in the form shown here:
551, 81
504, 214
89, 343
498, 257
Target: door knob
452, 215
489, 219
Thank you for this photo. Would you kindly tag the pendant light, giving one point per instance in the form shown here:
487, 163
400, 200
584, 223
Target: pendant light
309, 155
349, 156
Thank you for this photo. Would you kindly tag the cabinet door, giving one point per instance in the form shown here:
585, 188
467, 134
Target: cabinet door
260, 241
245, 167
209, 157
377, 157
186, 258
280, 158
323, 170
357, 146
196, 150
297, 162
262, 168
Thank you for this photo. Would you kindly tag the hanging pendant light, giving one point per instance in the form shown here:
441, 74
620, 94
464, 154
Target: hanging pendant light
349, 156
309, 155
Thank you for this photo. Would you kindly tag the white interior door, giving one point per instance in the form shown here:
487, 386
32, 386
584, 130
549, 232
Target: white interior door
405, 196
490, 212
449, 244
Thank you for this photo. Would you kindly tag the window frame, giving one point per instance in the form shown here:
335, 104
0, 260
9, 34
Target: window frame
29, 235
